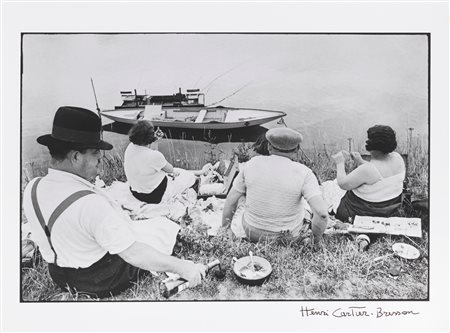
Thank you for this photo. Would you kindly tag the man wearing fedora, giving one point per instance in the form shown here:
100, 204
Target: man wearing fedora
274, 186
84, 236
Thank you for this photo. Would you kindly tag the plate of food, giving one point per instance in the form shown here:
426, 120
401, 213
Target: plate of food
252, 270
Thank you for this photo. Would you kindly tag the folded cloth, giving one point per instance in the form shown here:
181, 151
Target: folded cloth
332, 194
175, 208
178, 185
158, 232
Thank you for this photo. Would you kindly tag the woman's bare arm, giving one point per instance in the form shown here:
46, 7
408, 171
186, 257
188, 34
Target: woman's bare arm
168, 168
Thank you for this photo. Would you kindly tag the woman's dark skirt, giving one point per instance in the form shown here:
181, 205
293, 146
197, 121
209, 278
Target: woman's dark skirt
352, 205
154, 197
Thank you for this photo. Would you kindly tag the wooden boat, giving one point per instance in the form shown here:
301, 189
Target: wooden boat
186, 111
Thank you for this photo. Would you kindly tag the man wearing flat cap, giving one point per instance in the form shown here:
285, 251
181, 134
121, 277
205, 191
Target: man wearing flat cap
274, 186
84, 237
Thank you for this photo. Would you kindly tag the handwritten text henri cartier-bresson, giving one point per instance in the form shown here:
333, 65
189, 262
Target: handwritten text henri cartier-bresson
355, 311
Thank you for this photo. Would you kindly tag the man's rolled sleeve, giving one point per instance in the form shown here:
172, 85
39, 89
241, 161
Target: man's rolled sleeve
110, 230
311, 186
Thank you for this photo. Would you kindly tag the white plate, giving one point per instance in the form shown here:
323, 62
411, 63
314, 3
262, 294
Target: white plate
405, 251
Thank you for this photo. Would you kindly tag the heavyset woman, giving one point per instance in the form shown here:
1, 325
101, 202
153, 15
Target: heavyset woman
374, 188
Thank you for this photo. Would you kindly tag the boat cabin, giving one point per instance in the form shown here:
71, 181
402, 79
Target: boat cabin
190, 98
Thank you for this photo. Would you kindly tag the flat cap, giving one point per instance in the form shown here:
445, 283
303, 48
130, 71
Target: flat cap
284, 139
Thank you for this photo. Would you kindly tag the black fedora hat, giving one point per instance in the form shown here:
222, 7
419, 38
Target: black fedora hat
77, 127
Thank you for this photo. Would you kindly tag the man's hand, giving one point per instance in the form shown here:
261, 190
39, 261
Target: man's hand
193, 273
314, 243
226, 232
230, 234
317, 243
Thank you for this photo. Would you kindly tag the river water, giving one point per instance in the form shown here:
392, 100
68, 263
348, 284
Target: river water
332, 87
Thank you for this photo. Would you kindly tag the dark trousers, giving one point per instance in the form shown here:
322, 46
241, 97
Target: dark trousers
154, 197
108, 276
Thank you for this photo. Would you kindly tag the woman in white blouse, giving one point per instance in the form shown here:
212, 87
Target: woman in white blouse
146, 169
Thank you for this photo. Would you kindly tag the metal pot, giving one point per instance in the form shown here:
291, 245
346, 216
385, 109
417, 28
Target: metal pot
243, 272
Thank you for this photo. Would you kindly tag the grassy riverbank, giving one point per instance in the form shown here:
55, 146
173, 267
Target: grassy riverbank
338, 271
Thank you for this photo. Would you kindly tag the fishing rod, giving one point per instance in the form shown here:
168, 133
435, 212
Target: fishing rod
209, 85
101, 126
234, 93
98, 109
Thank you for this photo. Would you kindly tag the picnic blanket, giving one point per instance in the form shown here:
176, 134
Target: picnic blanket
158, 224
207, 212
202, 211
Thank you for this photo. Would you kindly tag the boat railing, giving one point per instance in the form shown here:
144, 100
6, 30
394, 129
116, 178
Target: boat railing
194, 95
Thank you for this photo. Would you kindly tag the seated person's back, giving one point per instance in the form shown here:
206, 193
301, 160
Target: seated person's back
274, 186
392, 165
374, 188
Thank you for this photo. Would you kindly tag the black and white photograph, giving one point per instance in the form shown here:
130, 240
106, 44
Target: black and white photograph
191, 166
252, 166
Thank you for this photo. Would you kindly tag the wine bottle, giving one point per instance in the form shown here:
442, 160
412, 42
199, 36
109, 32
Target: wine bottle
173, 287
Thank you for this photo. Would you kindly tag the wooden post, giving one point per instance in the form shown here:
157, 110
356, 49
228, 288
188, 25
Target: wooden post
349, 145
325, 150
411, 129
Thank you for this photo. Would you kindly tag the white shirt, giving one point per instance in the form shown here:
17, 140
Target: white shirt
274, 186
143, 168
85, 231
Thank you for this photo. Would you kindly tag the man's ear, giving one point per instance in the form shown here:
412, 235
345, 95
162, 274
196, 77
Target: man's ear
74, 156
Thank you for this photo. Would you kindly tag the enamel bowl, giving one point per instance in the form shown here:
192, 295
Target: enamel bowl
254, 277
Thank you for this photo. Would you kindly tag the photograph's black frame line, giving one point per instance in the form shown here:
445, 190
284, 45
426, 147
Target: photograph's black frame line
428, 34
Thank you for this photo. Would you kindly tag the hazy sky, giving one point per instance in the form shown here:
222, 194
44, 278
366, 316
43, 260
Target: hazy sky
316, 79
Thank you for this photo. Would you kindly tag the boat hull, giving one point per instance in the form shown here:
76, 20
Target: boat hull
236, 118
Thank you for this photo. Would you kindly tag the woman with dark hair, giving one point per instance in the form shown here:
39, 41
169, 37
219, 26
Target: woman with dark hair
260, 146
374, 188
146, 169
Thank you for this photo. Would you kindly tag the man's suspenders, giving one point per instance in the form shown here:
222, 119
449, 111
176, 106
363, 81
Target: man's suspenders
56, 213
